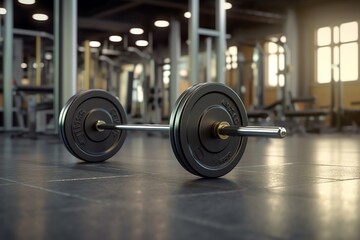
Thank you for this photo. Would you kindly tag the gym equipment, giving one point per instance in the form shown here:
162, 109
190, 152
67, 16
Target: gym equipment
208, 128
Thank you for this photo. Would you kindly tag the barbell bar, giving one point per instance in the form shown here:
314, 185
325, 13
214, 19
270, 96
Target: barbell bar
222, 130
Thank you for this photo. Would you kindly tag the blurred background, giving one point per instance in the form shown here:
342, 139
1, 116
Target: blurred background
294, 63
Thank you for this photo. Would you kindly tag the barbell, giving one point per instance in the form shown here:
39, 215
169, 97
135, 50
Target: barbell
208, 128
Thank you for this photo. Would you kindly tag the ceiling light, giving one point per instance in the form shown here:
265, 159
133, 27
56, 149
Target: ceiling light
233, 50
2, 11
166, 80
94, 44
228, 5
23, 65
48, 56
274, 39
40, 17
27, 2
187, 14
167, 66
183, 73
136, 31
141, 43
166, 73
35, 65
115, 38
161, 23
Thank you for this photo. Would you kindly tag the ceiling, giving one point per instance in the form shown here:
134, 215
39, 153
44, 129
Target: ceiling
99, 19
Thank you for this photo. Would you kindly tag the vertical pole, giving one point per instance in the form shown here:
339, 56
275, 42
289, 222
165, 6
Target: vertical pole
339, 102
56, 57
1, 31
69, 46
194, 42
261, 76
38, 61
221, 40
292, 51
150, 47
148, 83
208, 58
340, 112
8, 65
241, 76
17, 60
332, 102
87, 62
125, 42
175, 51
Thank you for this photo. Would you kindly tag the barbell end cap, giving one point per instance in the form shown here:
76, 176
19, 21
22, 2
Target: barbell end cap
282, 132
98, 124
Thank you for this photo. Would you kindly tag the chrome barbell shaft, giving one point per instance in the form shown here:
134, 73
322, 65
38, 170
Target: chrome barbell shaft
223, 130
100, 126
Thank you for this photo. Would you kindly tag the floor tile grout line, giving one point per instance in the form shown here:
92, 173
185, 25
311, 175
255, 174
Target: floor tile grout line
330, 180
204, 194
315, 177
53, 191
89, 178
302, 164
8, 180
266, 165
204, 222
63, 193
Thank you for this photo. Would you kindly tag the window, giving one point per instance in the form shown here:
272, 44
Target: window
337, 54
275, 64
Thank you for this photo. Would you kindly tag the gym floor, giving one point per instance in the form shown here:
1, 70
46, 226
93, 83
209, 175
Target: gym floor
292, 188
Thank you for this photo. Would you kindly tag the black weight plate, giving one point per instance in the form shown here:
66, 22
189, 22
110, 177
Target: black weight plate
174, 143
206, 105
171, 124
177, 145
77, 125
174, 117
61, 121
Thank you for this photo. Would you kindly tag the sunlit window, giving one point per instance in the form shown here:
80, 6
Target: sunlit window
275, 64
349, 32
337, 53
349, 61
324, 64
324, 36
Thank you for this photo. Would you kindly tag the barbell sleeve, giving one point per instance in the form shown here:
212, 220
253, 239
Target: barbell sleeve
222, 130
254, 131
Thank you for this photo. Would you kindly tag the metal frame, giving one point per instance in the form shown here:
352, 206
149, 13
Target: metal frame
175, 52
8, 65
219, 34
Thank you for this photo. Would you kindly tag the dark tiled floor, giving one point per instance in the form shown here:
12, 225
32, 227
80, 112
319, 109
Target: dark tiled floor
297, 188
